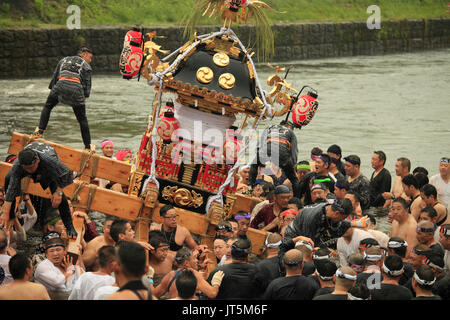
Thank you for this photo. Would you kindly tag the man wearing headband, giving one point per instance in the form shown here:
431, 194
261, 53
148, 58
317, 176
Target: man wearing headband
160, 259
295, 285
359, 292
428, 193
71, 85
398, 246
355, 198
278, 144
349, 243
320, 224
303, 167
373, 261
380, 181
403, 224
270, 267
335, 152
390, 289
322, 168
224, 228
357, 181
240, 281
107, 147
442, 183
57, 272
243, 222
356, 262
425, 235
422, 284
268, 216
319, 193
444, 240
287, 216
341, 187
325, 270
307, 250
345, 278
39, 161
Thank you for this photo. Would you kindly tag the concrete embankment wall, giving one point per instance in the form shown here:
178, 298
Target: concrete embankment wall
35, 52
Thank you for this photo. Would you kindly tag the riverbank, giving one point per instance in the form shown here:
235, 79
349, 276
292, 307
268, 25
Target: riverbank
43, 13
36, 52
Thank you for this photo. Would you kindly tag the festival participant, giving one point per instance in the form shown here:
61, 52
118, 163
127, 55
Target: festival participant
303, 168
320, 223
270, 267
444, 240
322, 168
176, 235
335, 152
90, 254
315, 152
373, 261
86, 285
411, 189
295, 285
359, 292
307, 251
344, 278
239, 281
355, 198
357, 181
356, 262
349, 243
295, 204
224, 228
70, 84
22, 288
428, 193
57, 272
390, 289
367, 243
220, 249
319, 193
276, 176
160, 259
5, 275
403, 224
402, 169
131, 266
268, 215
325, 270
186, 284
287, 216
39, 161
107, 147
399, 247
422, 284
341, 187
278, 144
380, 181
429, 214
243, 184
441, 182
425, 235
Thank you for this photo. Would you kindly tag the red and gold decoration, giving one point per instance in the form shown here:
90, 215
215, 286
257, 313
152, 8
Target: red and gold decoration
132, 54
304, 109
167, 124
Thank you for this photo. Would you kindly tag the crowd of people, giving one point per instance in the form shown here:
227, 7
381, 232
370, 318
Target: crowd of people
322, 239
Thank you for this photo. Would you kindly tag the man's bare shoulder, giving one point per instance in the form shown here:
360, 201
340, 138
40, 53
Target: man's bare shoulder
24, 291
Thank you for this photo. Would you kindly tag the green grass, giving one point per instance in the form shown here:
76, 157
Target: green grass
171, 12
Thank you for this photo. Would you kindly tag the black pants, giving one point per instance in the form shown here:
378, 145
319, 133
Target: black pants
286, 166
79, 108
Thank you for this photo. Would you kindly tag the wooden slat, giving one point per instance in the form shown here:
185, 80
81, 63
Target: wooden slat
105, 201
108, 169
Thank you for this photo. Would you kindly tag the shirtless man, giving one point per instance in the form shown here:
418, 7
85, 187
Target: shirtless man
428, 193
402, 169
403, 224
160, 259
21, 288
411, 189
175, 234
90, 255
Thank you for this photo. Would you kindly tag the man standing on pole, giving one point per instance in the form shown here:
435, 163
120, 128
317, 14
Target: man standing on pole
71, 85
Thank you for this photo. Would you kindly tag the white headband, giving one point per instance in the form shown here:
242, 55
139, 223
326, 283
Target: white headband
342, 275
304, 243
324, 278
352, 297
424, 282
395, 273
372, 257
396, 244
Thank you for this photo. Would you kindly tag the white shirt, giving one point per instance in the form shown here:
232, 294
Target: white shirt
52, 278
346, 249
442, 188
87, 283
381, 237
28, 222
103, 293
5, 276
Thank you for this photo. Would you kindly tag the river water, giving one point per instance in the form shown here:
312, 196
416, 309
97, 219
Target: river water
396, 103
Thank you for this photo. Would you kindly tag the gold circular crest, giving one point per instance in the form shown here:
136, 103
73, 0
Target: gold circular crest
221, 59
227, 81
205, 75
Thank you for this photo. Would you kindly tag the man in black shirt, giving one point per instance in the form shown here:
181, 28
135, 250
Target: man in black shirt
399, 246
270, 268
422, 284
389, 289
39, 161
380, 180
240, 281
294, 286
325, 270
345, 278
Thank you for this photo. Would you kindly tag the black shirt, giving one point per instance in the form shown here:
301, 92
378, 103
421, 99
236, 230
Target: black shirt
427, 298
291, 288
369, 279
391, 292
331, 297
308, 268
408, 272
268, 270
381, 183
324, 290
239, 282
